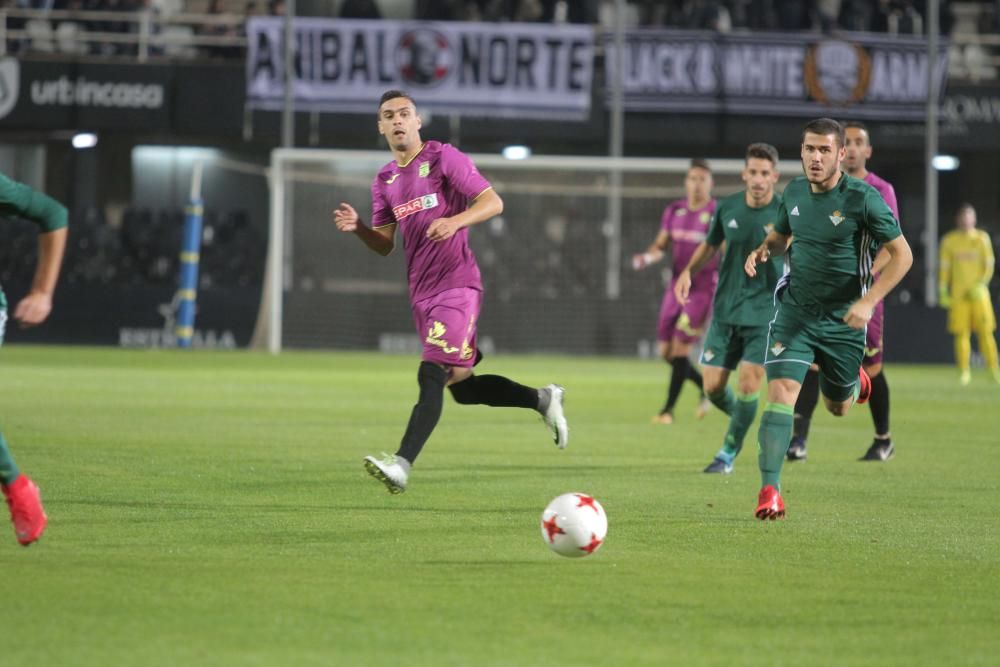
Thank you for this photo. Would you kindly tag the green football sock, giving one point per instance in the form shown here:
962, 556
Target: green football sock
724, 400
740, 420
772, 442
8, 469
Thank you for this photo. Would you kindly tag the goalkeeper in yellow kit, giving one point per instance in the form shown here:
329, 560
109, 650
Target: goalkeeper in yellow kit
966, 267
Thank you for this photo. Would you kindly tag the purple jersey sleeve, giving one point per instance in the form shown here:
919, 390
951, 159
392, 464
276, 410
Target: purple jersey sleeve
461, 172
666, 220
886, 190
381, 211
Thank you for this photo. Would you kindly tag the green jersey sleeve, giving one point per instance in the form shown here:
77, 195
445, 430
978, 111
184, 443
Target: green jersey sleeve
716, 234
781, 222
23, 201
879, 218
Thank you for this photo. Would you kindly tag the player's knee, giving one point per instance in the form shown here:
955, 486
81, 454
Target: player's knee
837, 408
464, 392
714, 386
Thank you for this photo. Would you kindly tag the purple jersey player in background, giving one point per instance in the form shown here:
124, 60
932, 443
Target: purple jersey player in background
683, 227
433, 193
859, 151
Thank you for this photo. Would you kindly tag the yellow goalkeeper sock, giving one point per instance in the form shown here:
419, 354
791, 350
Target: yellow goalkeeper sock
988, 348
963, 350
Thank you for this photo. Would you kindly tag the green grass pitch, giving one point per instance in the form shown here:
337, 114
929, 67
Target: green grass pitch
211, 509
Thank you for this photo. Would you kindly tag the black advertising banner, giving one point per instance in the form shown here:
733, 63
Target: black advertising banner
67, 95
859, 75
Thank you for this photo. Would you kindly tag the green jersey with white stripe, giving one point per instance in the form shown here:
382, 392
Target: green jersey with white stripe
740, 299
835, 236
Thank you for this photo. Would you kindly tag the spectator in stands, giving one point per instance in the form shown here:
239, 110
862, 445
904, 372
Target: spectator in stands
276, 7
439, 10
216, 8
360, 9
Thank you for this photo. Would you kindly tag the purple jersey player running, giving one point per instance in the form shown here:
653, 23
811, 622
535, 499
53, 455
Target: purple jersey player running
432, 192
859, 151
683, 227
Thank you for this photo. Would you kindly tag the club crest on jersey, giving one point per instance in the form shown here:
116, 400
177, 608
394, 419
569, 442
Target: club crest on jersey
777, 349
732, 224
837, 218
415, 206
425, 169
795, 210
704, 218
768, 228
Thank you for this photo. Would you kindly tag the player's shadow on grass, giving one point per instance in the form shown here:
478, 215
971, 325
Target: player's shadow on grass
505, 467
402, 509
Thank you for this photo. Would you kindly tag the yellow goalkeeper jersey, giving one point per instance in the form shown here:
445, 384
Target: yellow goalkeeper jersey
966, 261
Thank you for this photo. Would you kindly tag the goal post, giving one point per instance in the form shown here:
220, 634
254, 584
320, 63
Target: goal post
555, 267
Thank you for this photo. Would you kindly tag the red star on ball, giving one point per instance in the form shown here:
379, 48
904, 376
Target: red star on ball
552, 529
587, 501
594, 543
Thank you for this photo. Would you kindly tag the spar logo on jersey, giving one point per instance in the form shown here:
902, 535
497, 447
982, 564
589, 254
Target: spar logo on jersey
837, 72
424, 57
415, 206
10, 85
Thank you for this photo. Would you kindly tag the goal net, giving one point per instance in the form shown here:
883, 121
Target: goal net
556, 265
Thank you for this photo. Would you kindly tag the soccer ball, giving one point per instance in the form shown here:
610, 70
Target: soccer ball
574, 525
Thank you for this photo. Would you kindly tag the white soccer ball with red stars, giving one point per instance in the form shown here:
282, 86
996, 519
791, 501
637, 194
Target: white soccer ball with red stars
574, 525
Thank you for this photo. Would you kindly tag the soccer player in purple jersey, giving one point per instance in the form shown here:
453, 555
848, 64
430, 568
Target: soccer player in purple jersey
683, 227
433, 192
858, 151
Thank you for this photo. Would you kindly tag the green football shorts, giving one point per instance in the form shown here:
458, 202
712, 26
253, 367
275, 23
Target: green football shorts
798, 337
726, 345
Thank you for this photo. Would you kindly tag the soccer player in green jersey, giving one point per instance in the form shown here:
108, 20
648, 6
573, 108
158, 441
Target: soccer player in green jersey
833, 225
17, 199
742, 306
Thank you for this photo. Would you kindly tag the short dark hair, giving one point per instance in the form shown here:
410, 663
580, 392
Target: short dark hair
965, 206
393, 94
763, 151
825, 126
700, 163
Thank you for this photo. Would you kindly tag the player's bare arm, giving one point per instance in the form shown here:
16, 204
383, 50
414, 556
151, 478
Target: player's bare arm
381, 240
900, 261
487, 205
775, 244
35, 307
654, 253
881, 259
702, 255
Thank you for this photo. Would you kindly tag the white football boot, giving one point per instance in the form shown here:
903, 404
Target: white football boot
554, 417
388, 471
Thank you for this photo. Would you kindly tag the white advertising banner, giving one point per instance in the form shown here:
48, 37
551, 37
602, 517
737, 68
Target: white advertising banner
851, 75
481, 69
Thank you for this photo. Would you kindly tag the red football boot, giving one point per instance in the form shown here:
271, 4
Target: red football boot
865, 383
25, 503
769, 504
